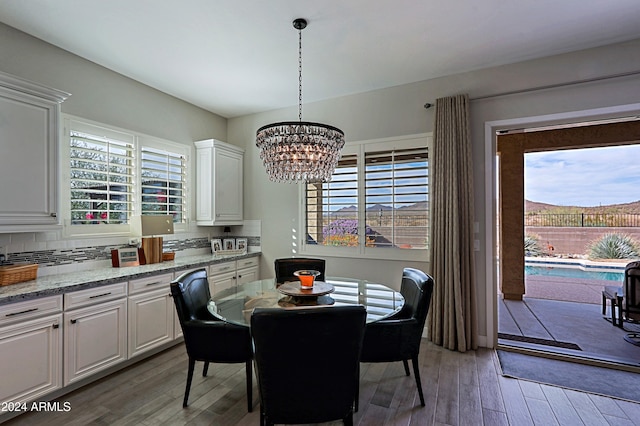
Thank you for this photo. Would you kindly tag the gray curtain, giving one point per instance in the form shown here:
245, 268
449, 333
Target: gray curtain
452, 321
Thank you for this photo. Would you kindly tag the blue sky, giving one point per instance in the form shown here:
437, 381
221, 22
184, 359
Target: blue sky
584, 177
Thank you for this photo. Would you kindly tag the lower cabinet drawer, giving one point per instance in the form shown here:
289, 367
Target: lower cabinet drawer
23, 311
222, 268
94, 295
249, 262
150, 283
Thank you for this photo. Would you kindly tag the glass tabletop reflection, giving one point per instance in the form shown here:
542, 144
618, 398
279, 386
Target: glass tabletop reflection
236, 304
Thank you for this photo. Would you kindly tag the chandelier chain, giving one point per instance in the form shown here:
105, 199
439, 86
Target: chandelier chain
299, 151
300, 74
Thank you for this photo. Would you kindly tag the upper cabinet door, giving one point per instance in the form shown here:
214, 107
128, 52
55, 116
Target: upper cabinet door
29, 132
219, 189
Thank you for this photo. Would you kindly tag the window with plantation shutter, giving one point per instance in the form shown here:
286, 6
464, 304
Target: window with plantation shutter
114, 174
378, 198
162, 182
101, 175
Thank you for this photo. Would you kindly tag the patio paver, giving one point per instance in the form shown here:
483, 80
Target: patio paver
567, 310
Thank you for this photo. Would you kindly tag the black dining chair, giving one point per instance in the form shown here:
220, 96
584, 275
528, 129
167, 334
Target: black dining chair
206, 337
285, 268
307, 363
398, 338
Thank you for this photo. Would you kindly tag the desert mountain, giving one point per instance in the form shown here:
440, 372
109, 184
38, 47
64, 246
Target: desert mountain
626, 208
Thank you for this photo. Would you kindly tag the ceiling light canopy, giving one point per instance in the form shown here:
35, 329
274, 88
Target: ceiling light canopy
299, 151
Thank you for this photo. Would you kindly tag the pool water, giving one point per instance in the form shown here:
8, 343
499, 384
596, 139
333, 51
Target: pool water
556, 271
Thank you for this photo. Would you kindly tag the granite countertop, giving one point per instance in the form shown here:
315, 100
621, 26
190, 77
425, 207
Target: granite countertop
64, 283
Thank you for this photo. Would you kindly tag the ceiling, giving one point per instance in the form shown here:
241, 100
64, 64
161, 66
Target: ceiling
236, 57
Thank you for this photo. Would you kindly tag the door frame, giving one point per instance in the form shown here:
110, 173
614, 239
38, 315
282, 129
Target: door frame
491, 128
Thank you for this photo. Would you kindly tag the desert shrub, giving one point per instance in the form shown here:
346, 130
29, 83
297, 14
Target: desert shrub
531, 245
614, 246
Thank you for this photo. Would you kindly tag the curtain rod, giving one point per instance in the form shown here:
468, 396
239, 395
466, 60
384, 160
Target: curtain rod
550, 86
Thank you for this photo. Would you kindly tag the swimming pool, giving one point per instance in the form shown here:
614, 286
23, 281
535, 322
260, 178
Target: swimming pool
574, 271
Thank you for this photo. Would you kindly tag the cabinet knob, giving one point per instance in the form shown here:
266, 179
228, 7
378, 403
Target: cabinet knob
56, 325
53, 214
73, 321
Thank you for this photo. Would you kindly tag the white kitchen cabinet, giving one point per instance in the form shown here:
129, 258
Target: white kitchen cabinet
226, 275
29, 117
95, 338
221, 276
219, 188
30, 349
151, 314
247, 270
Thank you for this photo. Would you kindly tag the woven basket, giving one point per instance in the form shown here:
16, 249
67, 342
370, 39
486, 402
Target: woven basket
14, 274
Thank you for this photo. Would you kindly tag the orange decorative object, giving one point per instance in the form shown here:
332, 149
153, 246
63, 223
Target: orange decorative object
306, 277
306, 280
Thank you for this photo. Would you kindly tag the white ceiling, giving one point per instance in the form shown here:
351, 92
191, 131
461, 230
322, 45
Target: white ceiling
235, 57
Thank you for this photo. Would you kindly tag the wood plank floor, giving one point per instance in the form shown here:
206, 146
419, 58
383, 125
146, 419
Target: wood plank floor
460, 389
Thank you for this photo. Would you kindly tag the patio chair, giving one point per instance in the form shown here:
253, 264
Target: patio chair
630, 306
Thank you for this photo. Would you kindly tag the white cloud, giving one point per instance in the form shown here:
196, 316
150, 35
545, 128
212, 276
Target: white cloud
584, 177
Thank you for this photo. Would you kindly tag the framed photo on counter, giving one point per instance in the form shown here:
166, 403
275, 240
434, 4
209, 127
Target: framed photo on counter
229, 244
241, 244
216, 245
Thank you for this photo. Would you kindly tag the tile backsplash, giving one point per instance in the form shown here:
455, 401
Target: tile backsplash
58, 256
82, 254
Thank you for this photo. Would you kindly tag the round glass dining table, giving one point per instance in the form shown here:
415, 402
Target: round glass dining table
236, 304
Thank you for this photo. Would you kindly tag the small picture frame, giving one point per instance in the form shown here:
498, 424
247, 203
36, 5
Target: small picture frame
127, 256
241, 244
229, 244
216, 245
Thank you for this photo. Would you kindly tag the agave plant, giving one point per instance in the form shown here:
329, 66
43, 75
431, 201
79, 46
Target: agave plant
614, 246
531, 246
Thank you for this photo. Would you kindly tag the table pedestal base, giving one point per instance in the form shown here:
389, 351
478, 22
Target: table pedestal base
290, 301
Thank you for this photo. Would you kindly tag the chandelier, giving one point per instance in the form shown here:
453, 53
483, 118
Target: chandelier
299, 151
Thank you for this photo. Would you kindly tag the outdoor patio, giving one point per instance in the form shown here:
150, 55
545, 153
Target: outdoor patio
565, 315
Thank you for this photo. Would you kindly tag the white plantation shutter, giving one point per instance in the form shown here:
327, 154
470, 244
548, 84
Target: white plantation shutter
332, 207
397, 190
101, 175
163, 182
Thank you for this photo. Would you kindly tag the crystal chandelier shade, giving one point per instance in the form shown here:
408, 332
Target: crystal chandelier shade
299, 151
